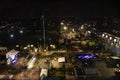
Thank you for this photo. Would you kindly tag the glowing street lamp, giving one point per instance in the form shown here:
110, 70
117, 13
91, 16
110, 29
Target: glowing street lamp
89, 32
21, 31
82, 27
36, 49
62, 23
28, 45
106, 36
103, 35
110, 38
65, 28
31, 45
115, 40
17, 45
11, 35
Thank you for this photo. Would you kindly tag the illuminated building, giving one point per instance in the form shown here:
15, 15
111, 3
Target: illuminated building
11, 56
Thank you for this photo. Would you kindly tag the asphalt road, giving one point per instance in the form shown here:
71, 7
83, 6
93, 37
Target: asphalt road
103, 70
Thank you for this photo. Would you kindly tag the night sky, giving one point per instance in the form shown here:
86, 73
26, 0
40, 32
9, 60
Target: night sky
21, 8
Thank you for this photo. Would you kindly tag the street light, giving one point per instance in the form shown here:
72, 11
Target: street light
62, 23
115, 40
43, 23
17, 45
106, 36
21, 31
65, 28
103, 35
31, 45
28, 45
110, 38
89, 32
11, 35
82, 27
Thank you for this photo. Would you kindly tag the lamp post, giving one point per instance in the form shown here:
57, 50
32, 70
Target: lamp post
65, 28
43, 23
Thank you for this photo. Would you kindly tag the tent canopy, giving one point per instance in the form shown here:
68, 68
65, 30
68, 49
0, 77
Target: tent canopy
11, 53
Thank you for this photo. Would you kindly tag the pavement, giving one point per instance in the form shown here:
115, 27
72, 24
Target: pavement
32, 74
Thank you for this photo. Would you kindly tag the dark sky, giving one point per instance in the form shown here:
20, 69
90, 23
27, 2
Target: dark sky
13, 8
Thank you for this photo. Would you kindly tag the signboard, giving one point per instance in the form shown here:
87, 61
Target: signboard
61, 59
